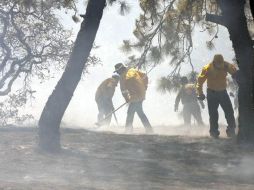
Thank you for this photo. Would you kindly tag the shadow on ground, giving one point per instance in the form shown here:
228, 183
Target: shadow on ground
92, 160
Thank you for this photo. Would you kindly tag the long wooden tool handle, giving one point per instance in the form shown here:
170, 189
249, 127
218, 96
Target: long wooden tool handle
112, 112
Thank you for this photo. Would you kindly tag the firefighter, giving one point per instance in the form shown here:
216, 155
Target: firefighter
187, 95
215, 73
103, 98
133, 84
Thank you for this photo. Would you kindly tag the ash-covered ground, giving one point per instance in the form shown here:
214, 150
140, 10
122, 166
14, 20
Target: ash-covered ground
114, 161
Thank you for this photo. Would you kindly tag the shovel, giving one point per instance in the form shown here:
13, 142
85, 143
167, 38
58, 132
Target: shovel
116, 119
99, 123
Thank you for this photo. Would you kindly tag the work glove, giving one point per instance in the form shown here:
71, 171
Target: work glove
201, 97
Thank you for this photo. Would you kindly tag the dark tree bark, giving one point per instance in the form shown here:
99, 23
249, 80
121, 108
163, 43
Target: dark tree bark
49, 123
252, 7
233, 17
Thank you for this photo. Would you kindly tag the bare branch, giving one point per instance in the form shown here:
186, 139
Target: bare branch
216, 19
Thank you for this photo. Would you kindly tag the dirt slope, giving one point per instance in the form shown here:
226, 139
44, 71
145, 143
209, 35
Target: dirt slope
91, 160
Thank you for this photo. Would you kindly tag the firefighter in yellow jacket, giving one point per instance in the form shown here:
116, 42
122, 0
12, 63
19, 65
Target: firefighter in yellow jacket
103, 98
187, 95
133, 84
215, 73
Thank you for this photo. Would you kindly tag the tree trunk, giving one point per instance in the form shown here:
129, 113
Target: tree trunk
235, 20
49, 123
252, 7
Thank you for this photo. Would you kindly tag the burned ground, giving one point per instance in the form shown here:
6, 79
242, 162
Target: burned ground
96, 160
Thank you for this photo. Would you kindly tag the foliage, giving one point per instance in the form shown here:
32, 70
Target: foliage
169, 84
164, 30
31, 41
10, 108
172, 83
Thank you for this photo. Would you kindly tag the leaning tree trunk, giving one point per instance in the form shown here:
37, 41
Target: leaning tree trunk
252, 7
233, 17
49, 123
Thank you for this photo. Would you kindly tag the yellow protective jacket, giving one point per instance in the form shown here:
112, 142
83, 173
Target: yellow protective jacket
216, 78
106, 90
133, 84
187, 94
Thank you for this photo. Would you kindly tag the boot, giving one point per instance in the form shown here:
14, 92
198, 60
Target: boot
214, 134
230, 132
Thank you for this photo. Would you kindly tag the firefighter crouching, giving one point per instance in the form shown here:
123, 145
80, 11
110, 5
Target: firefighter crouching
103, 98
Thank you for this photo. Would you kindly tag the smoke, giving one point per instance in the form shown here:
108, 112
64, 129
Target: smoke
244, 170
159, 108
82, 111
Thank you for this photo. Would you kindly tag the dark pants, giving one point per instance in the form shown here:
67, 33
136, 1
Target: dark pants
216, 98
136, 107
192, 109
105, 107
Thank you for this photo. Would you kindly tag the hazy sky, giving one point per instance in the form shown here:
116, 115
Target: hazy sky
114, 28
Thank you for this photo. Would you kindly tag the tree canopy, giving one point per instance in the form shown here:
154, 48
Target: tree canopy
31, 41
165, 28
164, 32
